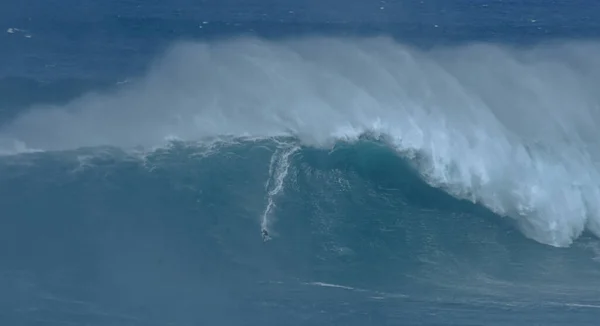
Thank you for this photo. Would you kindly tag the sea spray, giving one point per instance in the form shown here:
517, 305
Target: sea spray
511, 128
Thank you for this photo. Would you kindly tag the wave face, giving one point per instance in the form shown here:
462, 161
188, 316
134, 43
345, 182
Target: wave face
175, 235
512, 129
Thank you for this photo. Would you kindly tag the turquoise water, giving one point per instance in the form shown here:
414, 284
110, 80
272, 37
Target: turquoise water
299, 163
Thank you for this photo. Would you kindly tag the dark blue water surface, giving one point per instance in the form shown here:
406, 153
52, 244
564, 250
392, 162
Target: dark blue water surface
149, 146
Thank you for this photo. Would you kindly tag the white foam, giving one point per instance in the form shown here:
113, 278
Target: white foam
278, 171
329, 285
379, 295
513, 129
13, 30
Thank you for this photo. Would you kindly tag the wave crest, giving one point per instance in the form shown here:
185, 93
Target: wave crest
513, 129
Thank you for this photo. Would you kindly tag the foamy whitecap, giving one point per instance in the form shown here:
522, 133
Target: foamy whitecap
513, 129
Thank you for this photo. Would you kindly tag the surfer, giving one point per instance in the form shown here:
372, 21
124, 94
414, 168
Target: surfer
265, 235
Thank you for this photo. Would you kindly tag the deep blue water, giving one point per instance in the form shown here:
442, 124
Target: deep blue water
299, 162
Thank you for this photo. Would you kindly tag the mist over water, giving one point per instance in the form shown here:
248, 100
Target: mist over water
511, 128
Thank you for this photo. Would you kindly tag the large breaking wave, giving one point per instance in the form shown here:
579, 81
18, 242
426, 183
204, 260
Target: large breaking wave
513, 129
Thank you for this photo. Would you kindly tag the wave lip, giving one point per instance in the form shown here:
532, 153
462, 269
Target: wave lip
513, 129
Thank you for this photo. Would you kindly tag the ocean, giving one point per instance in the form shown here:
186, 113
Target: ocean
257, 162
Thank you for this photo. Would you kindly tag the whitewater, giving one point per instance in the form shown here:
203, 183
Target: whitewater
513, 128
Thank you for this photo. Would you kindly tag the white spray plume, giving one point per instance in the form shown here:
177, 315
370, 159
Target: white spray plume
514, 129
